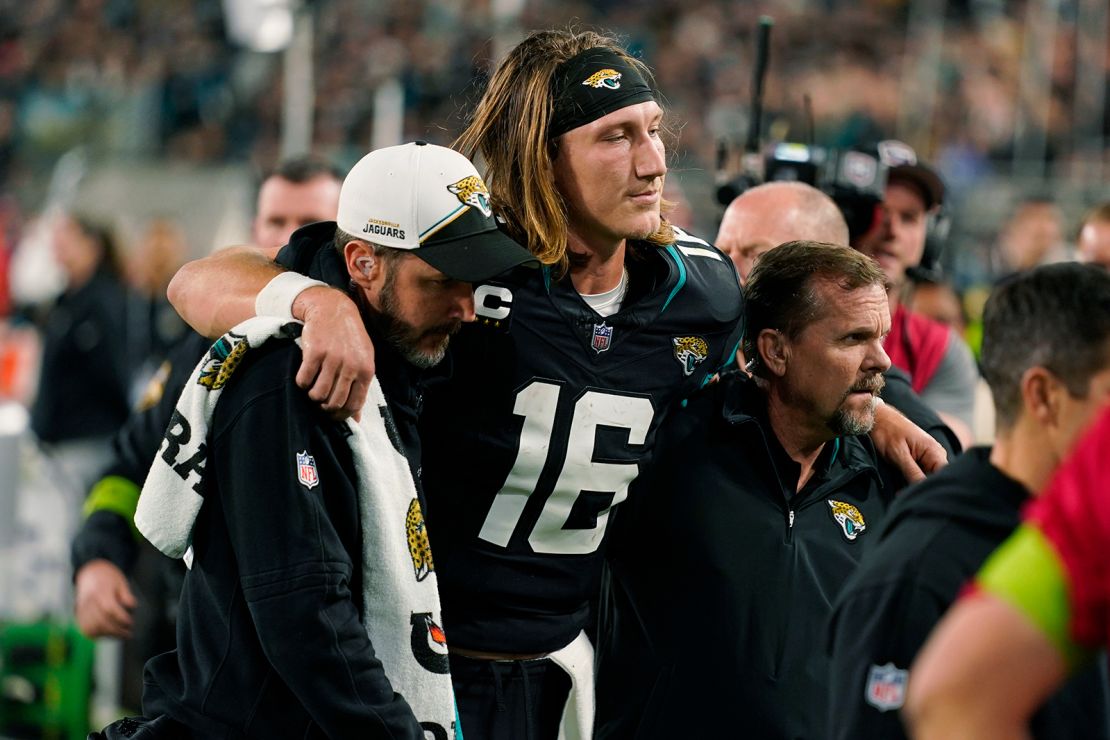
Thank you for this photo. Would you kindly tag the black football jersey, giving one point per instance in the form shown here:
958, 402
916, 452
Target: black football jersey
548, 414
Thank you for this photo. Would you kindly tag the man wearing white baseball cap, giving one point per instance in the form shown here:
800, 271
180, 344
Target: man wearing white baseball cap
311, 607
429, 199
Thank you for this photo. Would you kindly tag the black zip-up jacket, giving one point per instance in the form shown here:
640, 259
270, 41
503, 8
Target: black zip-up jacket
85, 378
932, 542
270, 637
722, 577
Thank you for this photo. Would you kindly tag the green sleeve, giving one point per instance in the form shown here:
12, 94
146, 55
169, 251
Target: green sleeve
1026, 571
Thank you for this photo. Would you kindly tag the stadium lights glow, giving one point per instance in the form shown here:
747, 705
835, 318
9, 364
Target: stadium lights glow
260, 25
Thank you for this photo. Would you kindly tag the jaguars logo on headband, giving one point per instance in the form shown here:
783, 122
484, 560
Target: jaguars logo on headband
471, 191
849, 518
609, 78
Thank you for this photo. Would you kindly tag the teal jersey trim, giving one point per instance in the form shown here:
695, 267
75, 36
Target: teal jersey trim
681, 275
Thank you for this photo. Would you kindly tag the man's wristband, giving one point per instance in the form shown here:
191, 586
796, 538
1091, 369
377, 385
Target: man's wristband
276, 299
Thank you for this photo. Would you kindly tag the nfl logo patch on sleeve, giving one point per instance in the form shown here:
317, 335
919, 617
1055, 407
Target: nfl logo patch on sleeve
886, 687
306, 470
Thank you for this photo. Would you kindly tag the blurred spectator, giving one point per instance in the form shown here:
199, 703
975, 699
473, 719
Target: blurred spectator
1034, 235
1094, 236
300, 191
128, 78
9, 215
157, 255
939, 302
86, 362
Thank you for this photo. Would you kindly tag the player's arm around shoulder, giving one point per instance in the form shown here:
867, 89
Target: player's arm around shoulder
715, 300
217, 292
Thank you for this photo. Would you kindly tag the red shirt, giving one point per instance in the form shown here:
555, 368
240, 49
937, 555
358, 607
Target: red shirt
916, 344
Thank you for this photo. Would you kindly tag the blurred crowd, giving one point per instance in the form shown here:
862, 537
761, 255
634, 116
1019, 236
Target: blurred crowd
157, 78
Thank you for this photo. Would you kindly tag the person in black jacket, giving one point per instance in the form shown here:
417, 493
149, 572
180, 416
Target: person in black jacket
1046, 357
125, 589
275, 622
728, 555
86, 371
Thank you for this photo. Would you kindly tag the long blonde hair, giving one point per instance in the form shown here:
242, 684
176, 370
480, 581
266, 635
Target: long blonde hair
509, 130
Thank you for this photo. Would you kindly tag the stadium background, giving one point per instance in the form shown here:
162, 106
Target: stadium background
139, 111
171, 115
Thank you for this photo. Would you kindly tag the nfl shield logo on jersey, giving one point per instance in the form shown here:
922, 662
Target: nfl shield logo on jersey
306, 470
886, 687
603, 335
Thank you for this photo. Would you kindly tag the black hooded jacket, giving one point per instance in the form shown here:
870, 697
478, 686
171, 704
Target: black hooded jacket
935, 537
270, 639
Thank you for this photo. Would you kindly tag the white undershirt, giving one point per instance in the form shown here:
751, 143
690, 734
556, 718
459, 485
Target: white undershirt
609, 302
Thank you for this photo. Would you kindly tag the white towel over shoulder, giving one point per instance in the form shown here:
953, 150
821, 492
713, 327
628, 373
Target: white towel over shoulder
402, 611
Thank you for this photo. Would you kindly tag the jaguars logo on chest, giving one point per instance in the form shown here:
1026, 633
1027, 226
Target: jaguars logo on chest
849, 518
690, 352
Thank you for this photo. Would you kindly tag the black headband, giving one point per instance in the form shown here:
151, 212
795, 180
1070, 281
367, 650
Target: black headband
592, 84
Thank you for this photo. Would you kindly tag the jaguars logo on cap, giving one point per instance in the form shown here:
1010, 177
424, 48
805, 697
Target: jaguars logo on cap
690, 352
471, 191
849, 518
609, 78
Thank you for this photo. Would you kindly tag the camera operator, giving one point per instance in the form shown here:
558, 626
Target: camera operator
938, 360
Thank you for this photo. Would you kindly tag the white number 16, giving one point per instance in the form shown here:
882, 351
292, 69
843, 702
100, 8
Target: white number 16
538, 403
